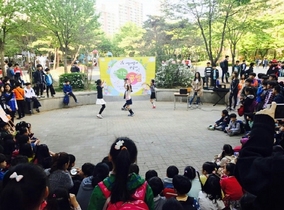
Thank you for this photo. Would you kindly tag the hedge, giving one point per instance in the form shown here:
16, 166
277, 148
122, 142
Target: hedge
77, 80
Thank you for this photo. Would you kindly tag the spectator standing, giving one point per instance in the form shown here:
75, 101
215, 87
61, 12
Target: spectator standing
10, 71
265, 63
18, 73
207, 74
214, 75
20, 98
10, 101
225, 68
237, 68
75, 68
234, 90
197, 86
49, 83
39, 81
243, 67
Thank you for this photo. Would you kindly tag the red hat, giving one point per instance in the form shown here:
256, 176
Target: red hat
274, 61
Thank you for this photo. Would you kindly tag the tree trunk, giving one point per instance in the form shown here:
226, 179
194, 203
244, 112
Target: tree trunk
2, 54
55, 59
77, 52
65, 60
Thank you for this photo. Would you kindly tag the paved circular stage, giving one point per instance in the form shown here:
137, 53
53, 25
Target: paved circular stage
164, 136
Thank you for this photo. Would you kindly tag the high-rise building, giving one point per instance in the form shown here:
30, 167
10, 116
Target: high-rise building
116, 13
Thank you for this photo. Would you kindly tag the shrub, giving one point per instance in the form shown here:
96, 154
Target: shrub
77, 80
173, 74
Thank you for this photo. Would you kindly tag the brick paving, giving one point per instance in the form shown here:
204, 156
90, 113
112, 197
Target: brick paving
164, 136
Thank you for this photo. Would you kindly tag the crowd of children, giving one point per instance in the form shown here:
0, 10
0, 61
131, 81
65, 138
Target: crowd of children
32, 177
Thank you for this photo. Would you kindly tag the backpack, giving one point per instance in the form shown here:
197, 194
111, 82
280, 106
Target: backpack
253, 106
137, 203
242, 126
66, 99
222, 64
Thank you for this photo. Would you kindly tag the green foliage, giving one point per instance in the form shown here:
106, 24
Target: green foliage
129, 39
77, 80
174, 74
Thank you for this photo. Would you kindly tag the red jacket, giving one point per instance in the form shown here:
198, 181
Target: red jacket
231, 188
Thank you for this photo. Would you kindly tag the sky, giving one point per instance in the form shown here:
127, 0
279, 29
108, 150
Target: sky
149, 6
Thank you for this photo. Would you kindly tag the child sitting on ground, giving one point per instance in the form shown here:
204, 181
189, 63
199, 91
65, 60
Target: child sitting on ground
157, 187
211, 197
3, 165
234, 127
207, 169
222, 123
230, 185
182, 186
168, 182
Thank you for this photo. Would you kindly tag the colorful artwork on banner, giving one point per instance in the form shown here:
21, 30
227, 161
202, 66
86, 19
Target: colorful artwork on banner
139, 70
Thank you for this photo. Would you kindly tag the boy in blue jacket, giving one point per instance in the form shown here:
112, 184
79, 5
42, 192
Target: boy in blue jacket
67, 89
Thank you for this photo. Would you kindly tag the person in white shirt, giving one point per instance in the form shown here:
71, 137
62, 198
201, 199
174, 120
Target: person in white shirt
210, 198
30, 96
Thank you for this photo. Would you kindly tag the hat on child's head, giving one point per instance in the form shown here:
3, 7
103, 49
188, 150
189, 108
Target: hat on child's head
2, 158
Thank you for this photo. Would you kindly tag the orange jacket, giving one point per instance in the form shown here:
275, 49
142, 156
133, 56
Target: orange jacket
19, 93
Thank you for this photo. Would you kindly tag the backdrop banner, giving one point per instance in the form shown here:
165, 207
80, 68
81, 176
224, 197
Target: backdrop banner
139, 71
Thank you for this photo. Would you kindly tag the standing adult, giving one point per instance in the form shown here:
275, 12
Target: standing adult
243, 67
197, 86
273, 68
39, 81
234, 91
265, 63
225, 67
75, 68
10, 72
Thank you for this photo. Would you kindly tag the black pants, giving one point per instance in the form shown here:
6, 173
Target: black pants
36, 103
213, 82
224, 73
72, 94
52, 91
102, 109
21, 108
39, 89
235, 96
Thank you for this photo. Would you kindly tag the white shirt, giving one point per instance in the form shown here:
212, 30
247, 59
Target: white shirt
206, 204
29, 93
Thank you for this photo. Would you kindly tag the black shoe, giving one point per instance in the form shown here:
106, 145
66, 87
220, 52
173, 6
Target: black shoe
37, 110
30, 112
19, 118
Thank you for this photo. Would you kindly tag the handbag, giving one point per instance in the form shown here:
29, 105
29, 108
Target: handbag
241, 111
